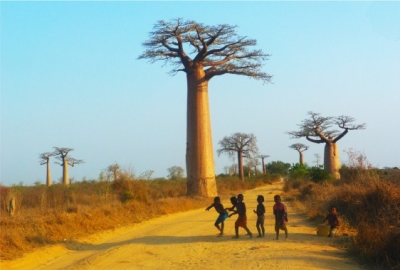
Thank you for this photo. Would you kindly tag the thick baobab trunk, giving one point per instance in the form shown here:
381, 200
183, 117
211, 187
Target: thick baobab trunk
240, 166
199, 150
65, 172
301, 159
263, 166
48, 175
331, 159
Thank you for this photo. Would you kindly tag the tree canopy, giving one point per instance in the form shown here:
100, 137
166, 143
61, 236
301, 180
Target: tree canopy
319, 129
217, 49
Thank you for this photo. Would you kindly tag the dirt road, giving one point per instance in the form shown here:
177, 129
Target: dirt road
189, 241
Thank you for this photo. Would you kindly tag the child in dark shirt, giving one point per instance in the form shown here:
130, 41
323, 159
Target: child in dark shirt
333, 221
281, 218
260, 216
242, 219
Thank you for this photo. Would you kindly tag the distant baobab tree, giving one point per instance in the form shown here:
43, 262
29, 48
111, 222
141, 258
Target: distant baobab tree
263, 164
299, 147
175, 173
202, 52
240, 144
317, 129
62, 155
45, 159
252, 163
114, 169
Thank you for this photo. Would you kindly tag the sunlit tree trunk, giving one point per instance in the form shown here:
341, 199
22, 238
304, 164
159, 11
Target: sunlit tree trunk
301, 158
199, 149
240, 165
331, 159
65, 171
48, 175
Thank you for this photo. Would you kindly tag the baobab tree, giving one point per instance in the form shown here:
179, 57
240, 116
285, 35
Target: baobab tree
114, 169
202, 52
62, 155
45, 159
299, 147
175, 173
317, 129
252, 163
240, 144
262, 161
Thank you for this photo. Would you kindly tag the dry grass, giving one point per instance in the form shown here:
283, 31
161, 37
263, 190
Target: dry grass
49, 215
368, 202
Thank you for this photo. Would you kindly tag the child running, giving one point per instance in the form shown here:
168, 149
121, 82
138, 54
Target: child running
333, 221
242, 219
281, 218
223, 214
260, 216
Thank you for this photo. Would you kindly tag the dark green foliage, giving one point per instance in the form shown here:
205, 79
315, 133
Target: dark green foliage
315, 174
278, 167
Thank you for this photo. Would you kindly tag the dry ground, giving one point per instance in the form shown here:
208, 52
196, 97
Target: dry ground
188, 241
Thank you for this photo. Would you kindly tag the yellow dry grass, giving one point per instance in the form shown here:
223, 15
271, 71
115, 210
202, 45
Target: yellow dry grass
49, 215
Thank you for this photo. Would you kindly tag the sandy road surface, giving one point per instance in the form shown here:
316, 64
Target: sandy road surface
188, 241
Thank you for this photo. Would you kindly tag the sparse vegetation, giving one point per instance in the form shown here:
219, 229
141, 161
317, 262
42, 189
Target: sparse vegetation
368, 201
50, 215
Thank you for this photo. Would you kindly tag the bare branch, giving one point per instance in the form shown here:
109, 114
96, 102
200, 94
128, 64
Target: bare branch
318, 129
217, 47
299, 147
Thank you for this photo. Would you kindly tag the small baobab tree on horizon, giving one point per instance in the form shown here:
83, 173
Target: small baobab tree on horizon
202, 52
317, 129
45, 159
263, 163
240, 144
299, 147
175, 173
62, 154
114, 169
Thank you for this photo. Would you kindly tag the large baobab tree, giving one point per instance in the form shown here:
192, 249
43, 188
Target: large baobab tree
262, 161
62, 154
45, 159
202, 52
240, 144
317, 129
299, 147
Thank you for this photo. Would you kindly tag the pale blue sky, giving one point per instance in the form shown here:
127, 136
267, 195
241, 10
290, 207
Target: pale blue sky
70, 78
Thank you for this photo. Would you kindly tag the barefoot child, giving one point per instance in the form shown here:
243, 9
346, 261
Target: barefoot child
280, 213
333, 221
223, 214
242, 219
260, 216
